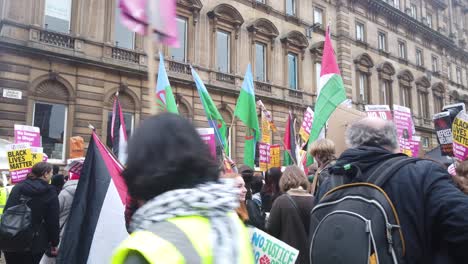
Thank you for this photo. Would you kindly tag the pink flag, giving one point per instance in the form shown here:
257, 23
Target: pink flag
160, 14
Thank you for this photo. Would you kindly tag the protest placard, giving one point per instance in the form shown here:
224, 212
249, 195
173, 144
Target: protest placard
27, 134
266, 131
20, 161
460, 136
415, 146
270, 250
443, 128
264, 155
76, 147
275, 156
404, 126
379, 111
304, 132
208, 136
267, 115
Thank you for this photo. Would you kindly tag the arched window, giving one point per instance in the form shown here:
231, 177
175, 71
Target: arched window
294, 44
226, 23
438, 92
183, 106
50, 99
263, 34
386, 72
405, 78
364, 65
422, 85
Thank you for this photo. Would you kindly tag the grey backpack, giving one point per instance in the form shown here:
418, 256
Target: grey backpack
16, 229
357, 221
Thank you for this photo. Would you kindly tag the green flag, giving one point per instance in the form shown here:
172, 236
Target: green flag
246, 111
164, 96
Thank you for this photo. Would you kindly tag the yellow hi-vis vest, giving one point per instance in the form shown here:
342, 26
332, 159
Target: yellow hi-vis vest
3, 199
180, 240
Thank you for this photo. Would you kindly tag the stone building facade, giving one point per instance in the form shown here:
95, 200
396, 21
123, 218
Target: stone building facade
67, 59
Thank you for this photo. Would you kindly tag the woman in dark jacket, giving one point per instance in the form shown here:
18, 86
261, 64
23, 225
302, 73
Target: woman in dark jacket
270, 190
290, 215
44, 207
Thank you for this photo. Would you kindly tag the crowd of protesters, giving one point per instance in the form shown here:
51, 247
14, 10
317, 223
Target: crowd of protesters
178, 197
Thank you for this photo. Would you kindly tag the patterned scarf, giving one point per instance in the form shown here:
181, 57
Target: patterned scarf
212, 200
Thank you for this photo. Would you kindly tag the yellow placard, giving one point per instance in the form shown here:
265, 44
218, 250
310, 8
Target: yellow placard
275, 157
37, 157
20, 159
266, 132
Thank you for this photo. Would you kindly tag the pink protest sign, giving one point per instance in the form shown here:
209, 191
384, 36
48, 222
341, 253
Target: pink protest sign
306, 124
208, 136
28, 134
404, 126
379, 111
414, 144
264, 159
460, 136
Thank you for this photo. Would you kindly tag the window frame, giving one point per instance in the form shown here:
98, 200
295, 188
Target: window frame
419, 57
117, 21
402, 53
458, 74
360, 36
321, 11
384, 35
386, 92
186, 19
414, 11
435, 63
65, 129
429, 19
265, 51
69, 19
228, 54
423, 103
296, 72
293, 8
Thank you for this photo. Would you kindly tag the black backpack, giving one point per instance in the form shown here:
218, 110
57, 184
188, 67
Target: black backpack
356, 221
16, 229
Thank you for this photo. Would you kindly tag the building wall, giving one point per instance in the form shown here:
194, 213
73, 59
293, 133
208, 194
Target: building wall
84, 69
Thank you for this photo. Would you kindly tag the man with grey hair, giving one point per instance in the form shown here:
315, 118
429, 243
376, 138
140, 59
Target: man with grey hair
433, 213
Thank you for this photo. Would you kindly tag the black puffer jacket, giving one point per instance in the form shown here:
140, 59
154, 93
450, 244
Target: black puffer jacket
432, 211
44, 205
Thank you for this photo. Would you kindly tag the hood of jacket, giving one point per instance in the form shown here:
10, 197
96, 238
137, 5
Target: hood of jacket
35, 187
365, 157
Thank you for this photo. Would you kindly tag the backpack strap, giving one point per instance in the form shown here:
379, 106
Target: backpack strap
294, 204
388, 168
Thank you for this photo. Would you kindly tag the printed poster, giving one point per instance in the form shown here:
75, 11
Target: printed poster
379, 111
208, 136
404, 126
443, 128
266, 132
20, 161
275, 156
415, 146
28, 134
264, 152
269, 250
460, 136
304, 132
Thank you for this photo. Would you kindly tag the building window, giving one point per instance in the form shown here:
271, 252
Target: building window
406, 96
414, 11
449, 71
419, 57
57, 15
260, 62
396, 4
129, 124
425, 142
363, 83
435, 64
438, 103
423, 103
402, 49
387, 92
223, 51
458, 73
124, 37
290, 7
52, 121
318, 69
360, 32
261, 1
292, 71
382, 41
180, 53
429, 20
318, 16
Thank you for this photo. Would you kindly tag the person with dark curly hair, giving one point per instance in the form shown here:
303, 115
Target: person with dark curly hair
187, 215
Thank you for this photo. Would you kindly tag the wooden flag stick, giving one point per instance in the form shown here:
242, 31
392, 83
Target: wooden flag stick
151, 70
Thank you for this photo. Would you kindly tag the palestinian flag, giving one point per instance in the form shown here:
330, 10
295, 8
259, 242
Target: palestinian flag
118, 132
96, 224
331, 91
164, 96
289, 143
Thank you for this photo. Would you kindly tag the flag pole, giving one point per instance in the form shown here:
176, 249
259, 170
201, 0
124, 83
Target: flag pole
151, 69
